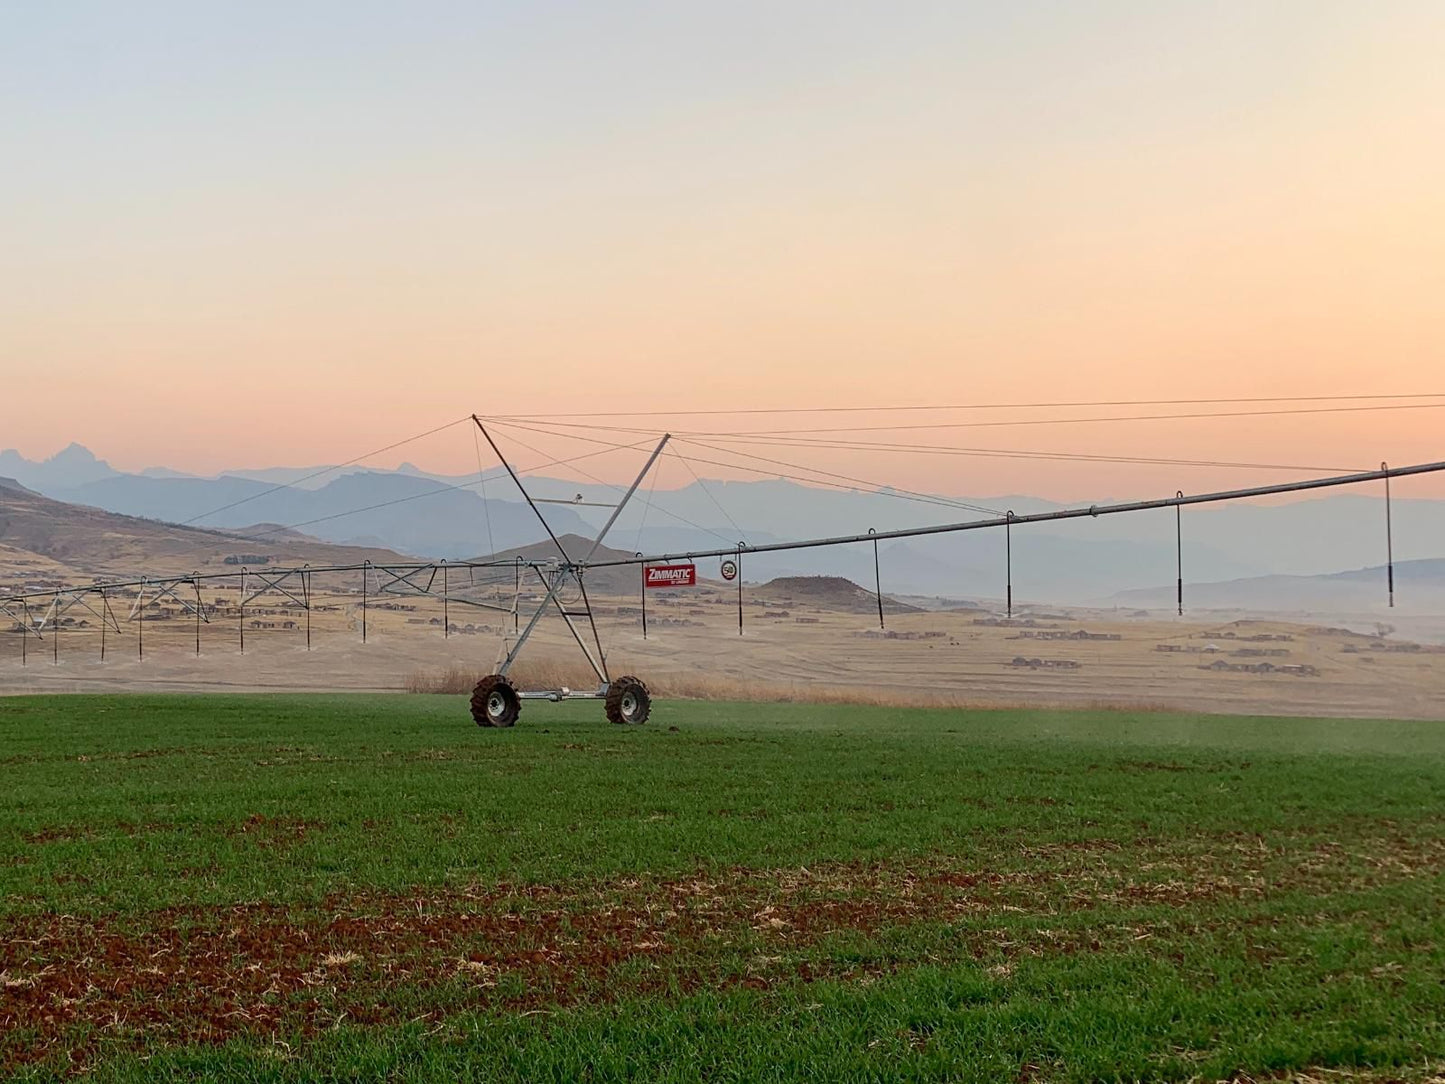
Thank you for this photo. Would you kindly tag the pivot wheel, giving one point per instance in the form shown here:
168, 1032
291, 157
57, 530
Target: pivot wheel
628, 701
495, 702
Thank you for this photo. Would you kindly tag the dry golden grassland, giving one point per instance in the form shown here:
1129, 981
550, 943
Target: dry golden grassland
787, 651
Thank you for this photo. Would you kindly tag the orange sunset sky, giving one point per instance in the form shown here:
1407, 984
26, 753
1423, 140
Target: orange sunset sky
248, 235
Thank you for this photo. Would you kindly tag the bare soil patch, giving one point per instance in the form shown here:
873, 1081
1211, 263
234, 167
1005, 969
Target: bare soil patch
195, 974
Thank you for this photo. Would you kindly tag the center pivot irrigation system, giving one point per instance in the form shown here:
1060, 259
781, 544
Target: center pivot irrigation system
496, 701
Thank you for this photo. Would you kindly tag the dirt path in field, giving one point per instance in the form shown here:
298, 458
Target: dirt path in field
193, 974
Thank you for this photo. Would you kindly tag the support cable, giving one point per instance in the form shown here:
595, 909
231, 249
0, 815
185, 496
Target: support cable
1007, 453
887, 491
417, 496
983, 406
318, 474
486, 505
165, 584
703, 486
592, 477
1093, 511
1080, 421
646, 507
838, 443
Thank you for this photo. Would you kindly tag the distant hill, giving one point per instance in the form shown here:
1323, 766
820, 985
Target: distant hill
603, 581
826, 592
829, 593
93, 542
411, 514
11, 483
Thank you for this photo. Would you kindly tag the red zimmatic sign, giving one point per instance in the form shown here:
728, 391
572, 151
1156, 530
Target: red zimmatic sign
669, 576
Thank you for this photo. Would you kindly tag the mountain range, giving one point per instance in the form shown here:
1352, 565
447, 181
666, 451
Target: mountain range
1131, 556
74, 542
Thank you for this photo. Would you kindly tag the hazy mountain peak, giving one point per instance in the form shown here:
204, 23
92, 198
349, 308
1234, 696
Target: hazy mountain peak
73, 465
74, 452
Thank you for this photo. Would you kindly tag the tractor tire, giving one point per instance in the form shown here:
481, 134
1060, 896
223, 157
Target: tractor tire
628, 701
495, 702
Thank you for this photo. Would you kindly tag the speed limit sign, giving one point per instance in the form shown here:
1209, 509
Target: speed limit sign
729, 569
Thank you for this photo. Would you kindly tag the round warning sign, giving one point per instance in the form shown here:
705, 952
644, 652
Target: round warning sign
729, 569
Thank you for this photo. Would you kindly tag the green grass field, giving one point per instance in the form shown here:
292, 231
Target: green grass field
363, 888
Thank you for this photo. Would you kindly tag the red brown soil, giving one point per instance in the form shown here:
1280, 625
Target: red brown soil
197, 974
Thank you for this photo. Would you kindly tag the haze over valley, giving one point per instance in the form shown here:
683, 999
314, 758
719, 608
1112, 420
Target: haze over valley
1320, 554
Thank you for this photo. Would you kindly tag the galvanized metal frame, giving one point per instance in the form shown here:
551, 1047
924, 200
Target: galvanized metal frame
274, 584
100, 587
557, 575
405, 578
25, 623
165, 588
1177, 501
407, 575
1093, 511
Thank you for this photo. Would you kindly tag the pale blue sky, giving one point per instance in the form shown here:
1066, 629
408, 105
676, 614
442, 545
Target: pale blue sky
821, 201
